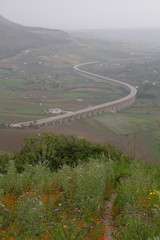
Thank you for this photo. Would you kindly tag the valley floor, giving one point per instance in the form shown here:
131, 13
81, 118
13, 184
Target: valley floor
134, 145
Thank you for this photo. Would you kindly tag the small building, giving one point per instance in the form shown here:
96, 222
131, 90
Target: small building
15, 125
55, 111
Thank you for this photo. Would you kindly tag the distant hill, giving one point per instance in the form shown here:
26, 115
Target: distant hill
148, 36
15, 37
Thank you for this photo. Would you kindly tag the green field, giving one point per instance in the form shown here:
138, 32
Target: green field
38, 83
3, 70
73, 95
31, 83
147, 125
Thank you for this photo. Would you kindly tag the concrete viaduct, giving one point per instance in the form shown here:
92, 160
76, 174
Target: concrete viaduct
113, 106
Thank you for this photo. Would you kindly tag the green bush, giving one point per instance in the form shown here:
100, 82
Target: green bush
4, 160
55, 151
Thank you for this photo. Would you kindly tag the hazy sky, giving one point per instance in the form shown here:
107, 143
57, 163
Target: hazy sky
83, 14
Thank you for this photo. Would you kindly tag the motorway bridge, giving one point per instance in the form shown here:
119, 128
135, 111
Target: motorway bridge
113, 106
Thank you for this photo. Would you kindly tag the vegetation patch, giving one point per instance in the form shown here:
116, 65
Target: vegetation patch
73, 95
60, 150
131, 123
137, 204
67, 199
2, 70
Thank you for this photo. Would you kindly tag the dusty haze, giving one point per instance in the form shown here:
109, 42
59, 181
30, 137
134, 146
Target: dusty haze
83, 14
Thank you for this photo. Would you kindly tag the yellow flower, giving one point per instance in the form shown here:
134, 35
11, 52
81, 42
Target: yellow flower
64, 226
59, 204
157, 192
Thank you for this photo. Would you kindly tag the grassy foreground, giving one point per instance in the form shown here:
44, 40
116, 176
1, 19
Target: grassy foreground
57, 187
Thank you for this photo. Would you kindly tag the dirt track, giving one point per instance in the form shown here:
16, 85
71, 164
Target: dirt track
137, 147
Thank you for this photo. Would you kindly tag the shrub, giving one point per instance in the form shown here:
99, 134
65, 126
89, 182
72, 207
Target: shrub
55, 151
4, 160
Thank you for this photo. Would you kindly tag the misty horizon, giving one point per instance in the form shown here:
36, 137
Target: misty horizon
83, 15
86, 29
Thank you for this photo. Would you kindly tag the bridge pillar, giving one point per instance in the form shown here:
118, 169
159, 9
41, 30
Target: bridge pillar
114, 109
119, 106
105, 109
109, 109
53, 123
72, 119
89, 114
123, 105
77, 117
95, 112
66, 120
49, 124
100, 111
60, 121
128, 103
83, 115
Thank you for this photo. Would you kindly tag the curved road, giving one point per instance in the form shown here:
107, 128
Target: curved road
112, 106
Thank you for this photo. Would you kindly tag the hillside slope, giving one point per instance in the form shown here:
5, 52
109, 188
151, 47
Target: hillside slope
48, 190
15, 38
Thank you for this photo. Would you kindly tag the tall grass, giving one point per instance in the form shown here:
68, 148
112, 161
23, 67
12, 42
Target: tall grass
68, 202
136, 203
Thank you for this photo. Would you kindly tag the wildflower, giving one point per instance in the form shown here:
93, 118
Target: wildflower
51, 223
64, 226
